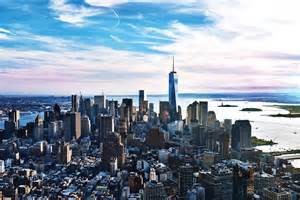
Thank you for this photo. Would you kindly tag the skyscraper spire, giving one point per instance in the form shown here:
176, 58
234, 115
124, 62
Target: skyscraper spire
173, 65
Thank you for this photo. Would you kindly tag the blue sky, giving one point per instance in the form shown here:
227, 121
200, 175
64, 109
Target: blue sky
120, 46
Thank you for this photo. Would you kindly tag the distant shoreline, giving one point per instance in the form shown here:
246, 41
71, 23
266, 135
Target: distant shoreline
294, 111
251, 110
261, 142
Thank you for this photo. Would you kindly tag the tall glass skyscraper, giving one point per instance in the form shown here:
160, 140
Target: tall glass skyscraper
173, 92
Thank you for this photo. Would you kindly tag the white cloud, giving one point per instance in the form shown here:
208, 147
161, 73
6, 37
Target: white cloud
111, 3
2, 30
116, 38
73, 14
5, 34
257, 37
105, 3
251, 46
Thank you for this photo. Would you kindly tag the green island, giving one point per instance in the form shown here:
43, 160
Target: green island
251, 110
261, 142
227, 105
294, 111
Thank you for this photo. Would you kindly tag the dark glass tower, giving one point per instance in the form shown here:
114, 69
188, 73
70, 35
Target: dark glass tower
173, 89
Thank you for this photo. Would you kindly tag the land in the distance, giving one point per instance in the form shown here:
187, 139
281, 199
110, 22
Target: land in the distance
261, 142
294, 111
227, 105
252, 109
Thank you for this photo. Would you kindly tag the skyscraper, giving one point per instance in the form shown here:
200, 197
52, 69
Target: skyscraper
14, 116
74, 105
185, 179
173, 89
38, 128
105, 125
72, 126
241, 135
203, 112
100, 100
141, 99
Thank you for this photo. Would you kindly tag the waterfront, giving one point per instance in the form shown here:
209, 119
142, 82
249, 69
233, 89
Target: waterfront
284, 131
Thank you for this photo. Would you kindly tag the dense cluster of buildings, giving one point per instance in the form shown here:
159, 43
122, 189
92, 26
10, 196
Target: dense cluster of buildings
104, 149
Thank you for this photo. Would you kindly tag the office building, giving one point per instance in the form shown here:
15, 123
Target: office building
154, 190
74, 103
100, 101
64, 154
52, 130
10, 127
241, 135
203, 113
85, 126
105, 125
126, 110
242, 181
217, 182
192, 113
276, 193
141, 99
263, 180
185, 179
173, 93
112, 107
14, 115
196, 193
38, 128
13, 123
113, 149
89, 109
135, 182
156, 138
164, 112
198, 134
72, 126
2, 166
211, 120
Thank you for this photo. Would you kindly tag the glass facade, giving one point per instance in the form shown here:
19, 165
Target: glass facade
173, 92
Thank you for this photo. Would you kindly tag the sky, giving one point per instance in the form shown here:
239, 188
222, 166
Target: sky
120, 46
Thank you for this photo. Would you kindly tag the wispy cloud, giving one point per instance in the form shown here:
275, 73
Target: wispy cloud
5, 34
72, 13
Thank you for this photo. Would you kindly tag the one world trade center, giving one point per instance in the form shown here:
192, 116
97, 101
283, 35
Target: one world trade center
173, 92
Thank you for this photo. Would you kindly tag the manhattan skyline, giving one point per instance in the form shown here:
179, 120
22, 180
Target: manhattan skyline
93, 46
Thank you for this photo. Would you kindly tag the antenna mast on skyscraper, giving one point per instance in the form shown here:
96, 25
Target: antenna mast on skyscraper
173, 65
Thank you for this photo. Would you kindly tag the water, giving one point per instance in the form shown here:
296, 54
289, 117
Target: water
281, 130
296, 163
